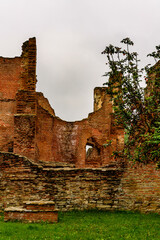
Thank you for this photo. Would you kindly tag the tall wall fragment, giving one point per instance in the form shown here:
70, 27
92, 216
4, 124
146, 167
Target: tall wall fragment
26, 107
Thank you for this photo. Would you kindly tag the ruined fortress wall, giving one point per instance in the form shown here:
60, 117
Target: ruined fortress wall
129, 187
46, 150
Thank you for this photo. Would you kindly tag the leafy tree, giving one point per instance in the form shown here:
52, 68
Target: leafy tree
135, 108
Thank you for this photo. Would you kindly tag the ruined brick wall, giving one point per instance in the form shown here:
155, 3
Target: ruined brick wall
60, 141
53, 147
128, 187
29, 127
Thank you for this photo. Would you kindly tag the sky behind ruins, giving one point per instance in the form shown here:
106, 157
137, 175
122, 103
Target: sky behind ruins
71, 34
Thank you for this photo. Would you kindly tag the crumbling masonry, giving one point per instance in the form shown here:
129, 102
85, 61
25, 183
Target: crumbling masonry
29, 127
43, 158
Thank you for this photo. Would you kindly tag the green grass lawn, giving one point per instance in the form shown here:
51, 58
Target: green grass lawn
87, 225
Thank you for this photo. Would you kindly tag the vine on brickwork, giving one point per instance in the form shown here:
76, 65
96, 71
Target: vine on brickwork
136, 109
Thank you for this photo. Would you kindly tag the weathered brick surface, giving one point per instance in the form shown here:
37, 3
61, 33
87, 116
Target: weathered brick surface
39, 205
7, 109
133, 187
10, 72
140, 186
23, 215
24, 134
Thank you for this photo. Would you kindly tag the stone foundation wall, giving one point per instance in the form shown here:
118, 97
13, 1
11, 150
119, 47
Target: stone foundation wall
121, 187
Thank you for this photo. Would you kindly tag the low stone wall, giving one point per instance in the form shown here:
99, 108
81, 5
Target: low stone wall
121, 187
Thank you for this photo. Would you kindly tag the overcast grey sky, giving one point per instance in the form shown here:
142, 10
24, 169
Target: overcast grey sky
71, 34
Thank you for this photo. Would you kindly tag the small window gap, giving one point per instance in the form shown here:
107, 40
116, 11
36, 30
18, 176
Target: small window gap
89, 149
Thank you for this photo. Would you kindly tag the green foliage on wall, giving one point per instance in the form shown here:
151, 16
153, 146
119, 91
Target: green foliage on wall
135, 108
